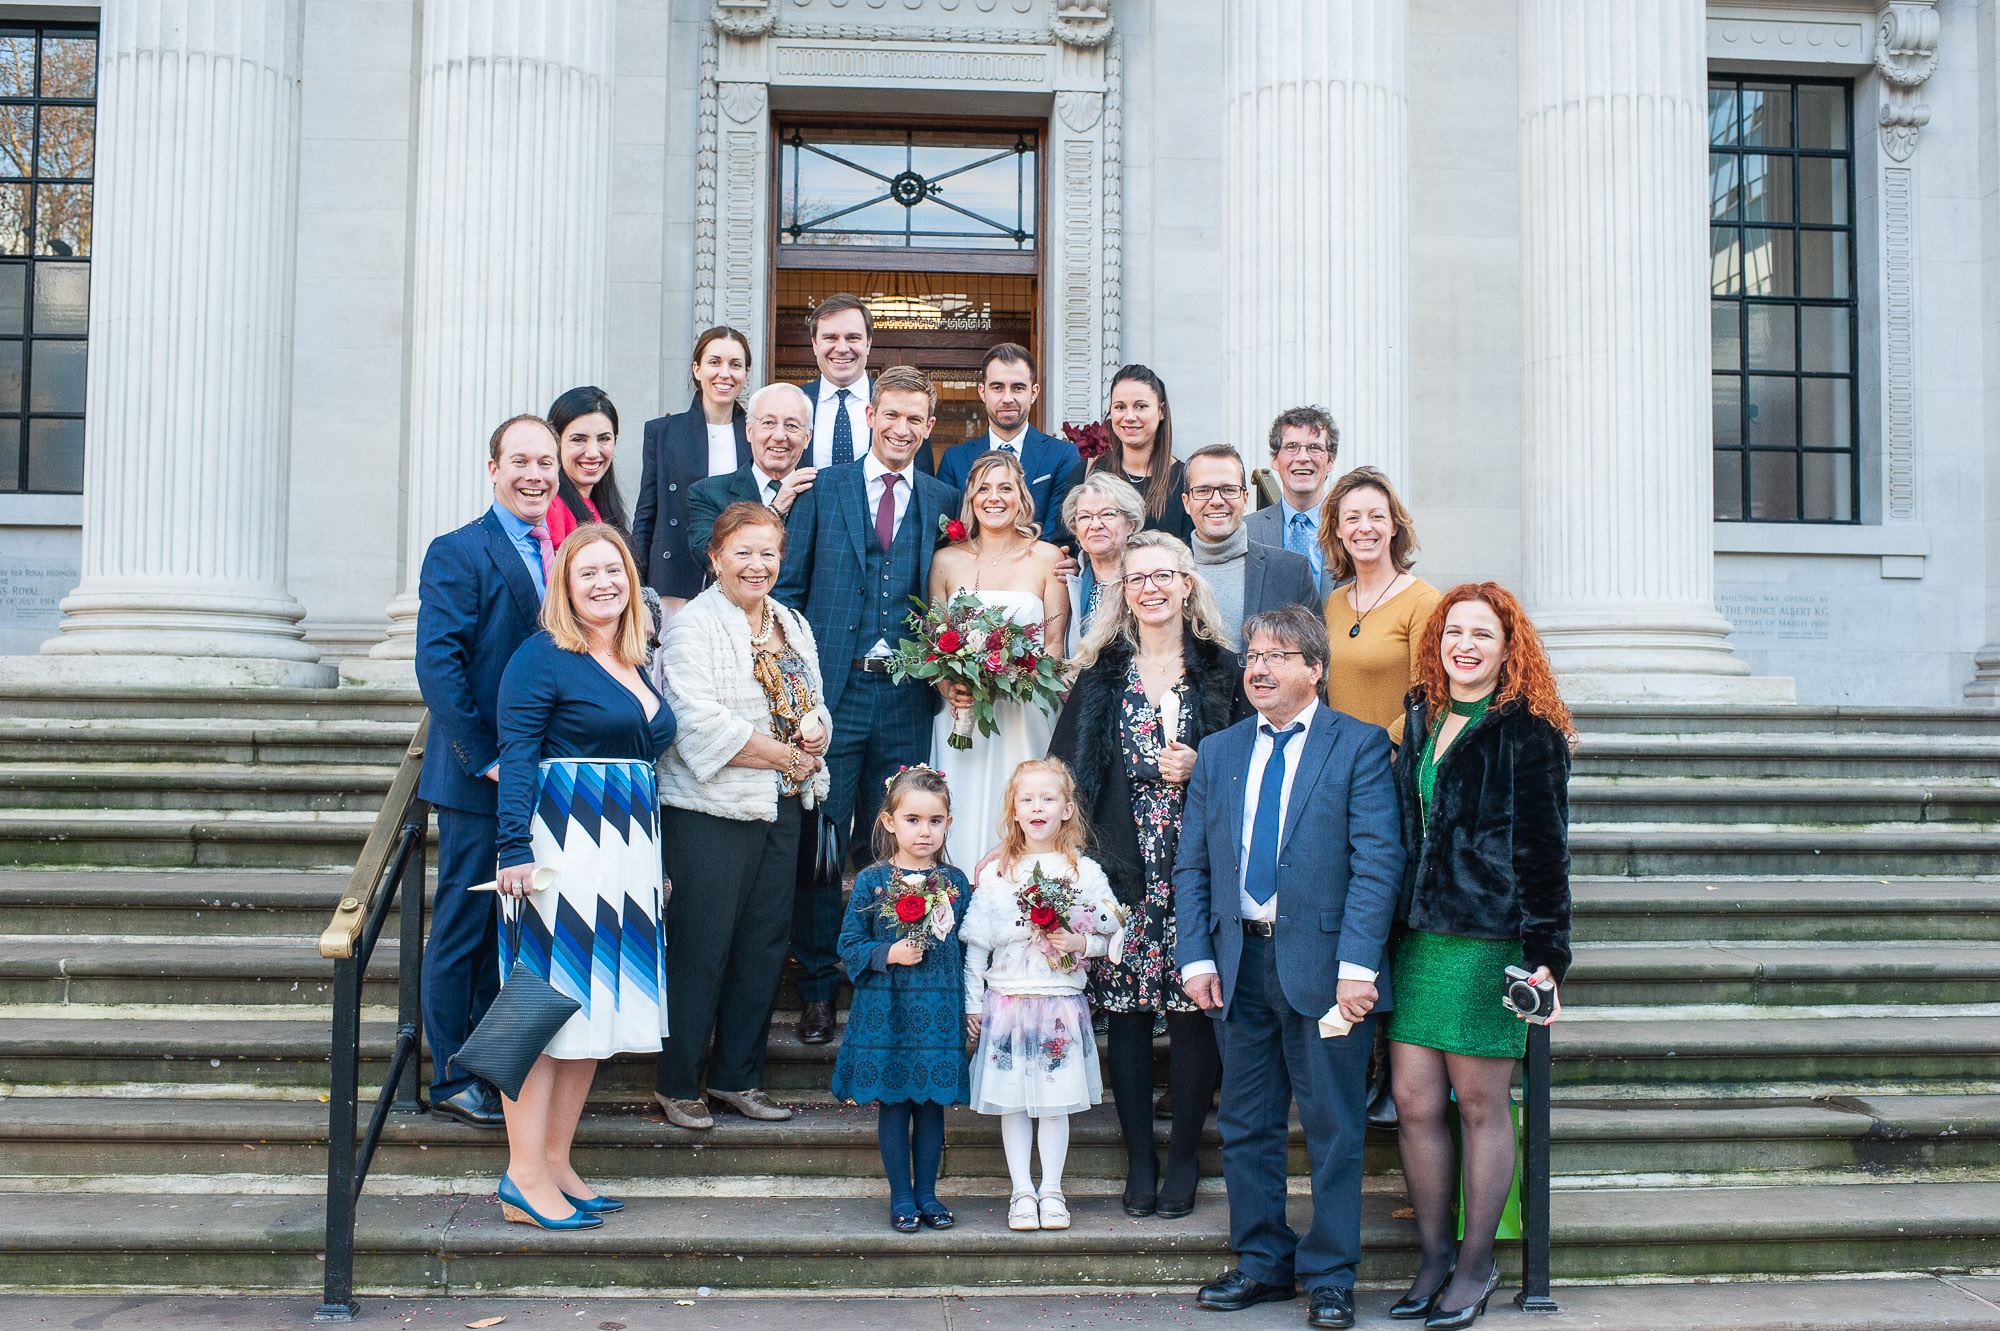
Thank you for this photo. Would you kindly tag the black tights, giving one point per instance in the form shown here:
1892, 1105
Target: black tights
1425, 1079
1194, 1069
910, 1135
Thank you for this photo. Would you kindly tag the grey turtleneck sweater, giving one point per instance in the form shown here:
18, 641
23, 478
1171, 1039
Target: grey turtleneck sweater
1222, 565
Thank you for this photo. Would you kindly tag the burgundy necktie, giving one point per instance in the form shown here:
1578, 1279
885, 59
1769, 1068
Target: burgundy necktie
885, 512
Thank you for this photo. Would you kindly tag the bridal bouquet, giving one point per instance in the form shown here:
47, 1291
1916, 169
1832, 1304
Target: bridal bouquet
920, 906
1050, 905
965, 641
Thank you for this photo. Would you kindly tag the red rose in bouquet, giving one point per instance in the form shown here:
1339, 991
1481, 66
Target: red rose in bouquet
921, 908
966, 641
949, 641
911, 907
1043, 917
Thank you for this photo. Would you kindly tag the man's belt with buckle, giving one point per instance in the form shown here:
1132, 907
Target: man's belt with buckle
1256, 928
872, 665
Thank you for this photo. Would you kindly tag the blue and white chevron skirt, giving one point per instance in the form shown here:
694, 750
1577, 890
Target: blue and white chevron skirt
593, 927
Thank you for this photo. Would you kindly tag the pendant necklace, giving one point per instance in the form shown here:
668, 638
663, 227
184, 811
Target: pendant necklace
1360, 615
763, 633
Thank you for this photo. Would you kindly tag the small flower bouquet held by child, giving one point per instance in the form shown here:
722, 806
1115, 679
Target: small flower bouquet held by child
1048, 906
920, 906
966, 642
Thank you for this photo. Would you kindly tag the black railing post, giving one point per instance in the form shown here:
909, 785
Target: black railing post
337, 1303
1534, 1296
410, 961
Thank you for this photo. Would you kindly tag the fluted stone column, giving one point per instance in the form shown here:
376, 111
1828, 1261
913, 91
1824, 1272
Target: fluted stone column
1617, 513
187, 423
509, 265
1316, 237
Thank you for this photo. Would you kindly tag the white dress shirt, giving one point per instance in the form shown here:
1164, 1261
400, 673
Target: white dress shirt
722, 449
824, 414
873, 471
1253, 784
1011, 442
765, 480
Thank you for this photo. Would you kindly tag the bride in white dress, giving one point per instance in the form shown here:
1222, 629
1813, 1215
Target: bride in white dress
1004, 564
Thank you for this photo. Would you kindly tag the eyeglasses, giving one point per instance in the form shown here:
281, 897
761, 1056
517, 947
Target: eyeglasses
1294, 449
1201, 494
1163, 578
791, 429
1254, 660
1104, 519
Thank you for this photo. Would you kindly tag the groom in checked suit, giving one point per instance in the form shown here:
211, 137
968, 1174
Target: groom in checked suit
858, 548
1290, 859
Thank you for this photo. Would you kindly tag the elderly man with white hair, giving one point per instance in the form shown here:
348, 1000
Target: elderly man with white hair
780, 428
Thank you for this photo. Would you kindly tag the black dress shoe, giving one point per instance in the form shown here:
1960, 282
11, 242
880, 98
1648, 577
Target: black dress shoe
477, 1106
816, 1023
1233, 1292
1457, 1319
1413, 1304
1332, 1305
1141, 1196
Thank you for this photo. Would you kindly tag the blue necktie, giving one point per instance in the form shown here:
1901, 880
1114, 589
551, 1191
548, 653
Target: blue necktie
1299, 536
843, 433
1260, 879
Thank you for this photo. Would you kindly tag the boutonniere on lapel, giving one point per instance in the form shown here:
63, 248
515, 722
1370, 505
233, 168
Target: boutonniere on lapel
950, 530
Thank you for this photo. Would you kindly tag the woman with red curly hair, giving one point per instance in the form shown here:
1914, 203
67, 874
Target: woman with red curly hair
1482, 778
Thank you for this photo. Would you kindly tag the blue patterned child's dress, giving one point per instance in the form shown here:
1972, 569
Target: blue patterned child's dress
593, 924
905, 1037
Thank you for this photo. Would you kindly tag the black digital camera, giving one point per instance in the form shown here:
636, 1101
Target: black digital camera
1527, 999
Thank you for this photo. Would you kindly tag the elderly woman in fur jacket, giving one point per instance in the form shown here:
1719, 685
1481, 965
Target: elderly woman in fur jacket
1156, 678
1483, 780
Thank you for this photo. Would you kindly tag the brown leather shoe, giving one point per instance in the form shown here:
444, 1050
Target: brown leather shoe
816, 1023
752, 1104
690, 1114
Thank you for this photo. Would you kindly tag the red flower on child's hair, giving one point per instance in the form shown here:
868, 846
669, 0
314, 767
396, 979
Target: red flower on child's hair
910, 907
1043, 917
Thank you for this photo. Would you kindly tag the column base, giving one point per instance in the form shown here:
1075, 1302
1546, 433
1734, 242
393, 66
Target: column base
400, 643
157, 671
1647, 654
375, 672
1666, 686
1984, 688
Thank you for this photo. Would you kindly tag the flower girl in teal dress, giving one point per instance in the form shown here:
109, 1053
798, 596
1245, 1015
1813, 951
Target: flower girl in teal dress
904, 1048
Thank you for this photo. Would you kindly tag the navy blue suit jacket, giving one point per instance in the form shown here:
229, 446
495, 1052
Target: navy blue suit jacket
1053, 466
862, 437
826, 547
478, 604
674, 455
1340, 863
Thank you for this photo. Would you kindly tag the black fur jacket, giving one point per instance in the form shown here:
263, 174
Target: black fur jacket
1494, 859
1086, 738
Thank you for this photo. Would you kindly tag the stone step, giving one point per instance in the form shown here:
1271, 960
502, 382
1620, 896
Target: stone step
1623, 909
206, 904
110, 702
252, 970
1788, 756
74, 1142
213, 787
182, 839
233, 738
1718, 800
1669, 718
1652, 850
444, 1244
1685, 1053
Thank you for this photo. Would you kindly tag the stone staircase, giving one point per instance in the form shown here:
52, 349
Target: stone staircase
1780, 1052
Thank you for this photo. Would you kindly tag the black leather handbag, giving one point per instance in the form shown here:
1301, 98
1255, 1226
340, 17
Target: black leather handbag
518, 1027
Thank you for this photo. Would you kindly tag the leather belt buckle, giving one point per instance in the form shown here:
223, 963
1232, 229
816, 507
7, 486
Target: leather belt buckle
1256, 928
872, 665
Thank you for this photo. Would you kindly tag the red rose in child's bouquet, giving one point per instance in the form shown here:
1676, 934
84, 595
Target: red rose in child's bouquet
920, 906
965, 641
1050, 905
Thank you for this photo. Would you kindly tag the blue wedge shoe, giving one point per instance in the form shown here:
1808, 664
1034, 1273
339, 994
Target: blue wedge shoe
595, 1205
515, 1207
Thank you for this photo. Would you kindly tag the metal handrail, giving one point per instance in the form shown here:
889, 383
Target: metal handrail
1534, 1296
394, 854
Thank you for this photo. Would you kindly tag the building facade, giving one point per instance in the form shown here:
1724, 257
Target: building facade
1681, 319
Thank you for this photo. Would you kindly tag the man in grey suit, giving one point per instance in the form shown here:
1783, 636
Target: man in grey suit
1246, 575
1291, 856
1304, 442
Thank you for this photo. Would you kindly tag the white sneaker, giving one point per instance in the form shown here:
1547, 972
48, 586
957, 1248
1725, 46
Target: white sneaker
1022, 1213
1054, 1211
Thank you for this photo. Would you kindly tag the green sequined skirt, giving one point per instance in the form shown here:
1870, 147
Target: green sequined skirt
1447, 992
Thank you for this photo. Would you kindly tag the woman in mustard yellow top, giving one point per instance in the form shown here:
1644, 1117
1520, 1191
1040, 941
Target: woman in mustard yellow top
1373, 622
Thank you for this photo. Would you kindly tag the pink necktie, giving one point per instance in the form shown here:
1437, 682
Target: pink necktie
541, 535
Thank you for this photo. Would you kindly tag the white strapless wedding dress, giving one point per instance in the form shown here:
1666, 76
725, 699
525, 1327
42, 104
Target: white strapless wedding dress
978, 775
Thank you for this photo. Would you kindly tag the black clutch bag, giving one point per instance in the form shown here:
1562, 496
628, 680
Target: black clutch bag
518, 1027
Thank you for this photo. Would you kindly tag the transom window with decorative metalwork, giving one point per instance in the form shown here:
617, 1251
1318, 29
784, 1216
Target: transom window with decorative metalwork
908, 188
1782, 287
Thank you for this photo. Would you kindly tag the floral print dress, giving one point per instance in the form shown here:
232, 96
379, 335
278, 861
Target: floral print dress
1146, 980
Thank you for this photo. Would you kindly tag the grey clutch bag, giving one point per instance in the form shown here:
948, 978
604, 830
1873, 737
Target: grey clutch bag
518, 1027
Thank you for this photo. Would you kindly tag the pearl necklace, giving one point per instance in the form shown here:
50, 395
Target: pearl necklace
763, 633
